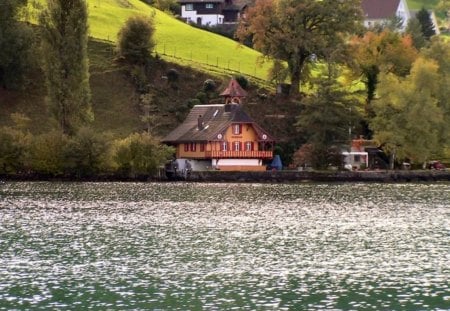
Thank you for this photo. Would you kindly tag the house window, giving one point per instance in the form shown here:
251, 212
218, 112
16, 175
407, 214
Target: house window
189, 6
357, 158
202, 147
237, 129
224, 146
193, 147
237, 146
186, 147
248, 146
209, 5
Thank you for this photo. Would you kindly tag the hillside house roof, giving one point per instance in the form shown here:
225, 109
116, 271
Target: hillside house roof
380, 9
201, 1
234, 90
214, 120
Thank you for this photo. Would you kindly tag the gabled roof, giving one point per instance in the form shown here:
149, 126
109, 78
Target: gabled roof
234, 90
215, 120
201, 1
380, 9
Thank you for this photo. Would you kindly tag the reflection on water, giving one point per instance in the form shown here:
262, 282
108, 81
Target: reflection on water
224, 246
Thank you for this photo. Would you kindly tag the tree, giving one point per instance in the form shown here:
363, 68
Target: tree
427, 26
414, 29
64, 50
409, 121
16, 42
375, 53
135, 40
325, 119
140, 154
296, 30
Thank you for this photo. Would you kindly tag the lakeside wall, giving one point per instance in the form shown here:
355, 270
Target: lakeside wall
313, 176
258, 177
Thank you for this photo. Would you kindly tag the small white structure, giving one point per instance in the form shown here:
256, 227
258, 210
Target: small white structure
355, 160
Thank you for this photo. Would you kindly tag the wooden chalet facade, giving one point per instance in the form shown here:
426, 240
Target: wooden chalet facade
220, 137
212, 12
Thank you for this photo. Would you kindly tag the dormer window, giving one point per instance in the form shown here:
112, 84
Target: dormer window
209, 5
237, 129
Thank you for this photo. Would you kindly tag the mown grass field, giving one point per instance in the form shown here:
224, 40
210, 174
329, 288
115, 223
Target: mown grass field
418, 4
177, 41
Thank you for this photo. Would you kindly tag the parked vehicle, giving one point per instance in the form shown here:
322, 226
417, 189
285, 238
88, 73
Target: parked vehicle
436, 165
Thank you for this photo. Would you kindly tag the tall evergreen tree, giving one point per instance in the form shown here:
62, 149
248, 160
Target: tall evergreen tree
424, 18
16, 40
64, 48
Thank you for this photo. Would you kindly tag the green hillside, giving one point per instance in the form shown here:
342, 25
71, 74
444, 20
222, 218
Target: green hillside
418, 4
177, 41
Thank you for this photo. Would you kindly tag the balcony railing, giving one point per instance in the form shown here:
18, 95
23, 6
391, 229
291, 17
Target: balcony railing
239, 154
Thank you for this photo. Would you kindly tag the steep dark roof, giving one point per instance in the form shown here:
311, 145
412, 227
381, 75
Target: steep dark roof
201, 1
216, 120
379, 9
234, 90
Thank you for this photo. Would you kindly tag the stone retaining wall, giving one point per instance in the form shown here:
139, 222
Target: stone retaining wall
303, 176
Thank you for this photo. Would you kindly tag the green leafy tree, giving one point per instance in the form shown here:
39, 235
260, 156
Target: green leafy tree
135, 40
427, 26
87, 153
64, 50
409, 120
46, 153
140, 154
16, 45
297, 30
324, 120
14, 144
376, 53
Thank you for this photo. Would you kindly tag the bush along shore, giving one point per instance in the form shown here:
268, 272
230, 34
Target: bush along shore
254, 177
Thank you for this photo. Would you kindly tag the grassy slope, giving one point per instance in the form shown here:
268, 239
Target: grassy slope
175, 38
418, 4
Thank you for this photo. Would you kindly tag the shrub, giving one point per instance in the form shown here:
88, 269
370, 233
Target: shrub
192, 102
202, 97
243, 82
135, 40
140, 154
47, 153
209, 85
172, 75
13, 150
87, 153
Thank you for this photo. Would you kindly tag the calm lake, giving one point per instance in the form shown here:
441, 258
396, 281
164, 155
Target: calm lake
187, 246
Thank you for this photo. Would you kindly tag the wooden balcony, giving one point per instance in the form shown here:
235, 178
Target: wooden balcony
239, 154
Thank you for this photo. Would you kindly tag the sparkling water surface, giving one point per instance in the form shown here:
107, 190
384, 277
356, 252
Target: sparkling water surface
188, 246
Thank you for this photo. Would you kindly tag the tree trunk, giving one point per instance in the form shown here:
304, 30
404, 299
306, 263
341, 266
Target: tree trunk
296, 69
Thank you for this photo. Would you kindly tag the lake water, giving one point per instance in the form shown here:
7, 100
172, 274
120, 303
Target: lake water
186, 246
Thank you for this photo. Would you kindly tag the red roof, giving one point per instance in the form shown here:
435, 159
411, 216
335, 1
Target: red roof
380, 9
234, 90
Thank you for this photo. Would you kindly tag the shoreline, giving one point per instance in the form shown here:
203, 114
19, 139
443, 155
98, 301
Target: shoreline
257, 177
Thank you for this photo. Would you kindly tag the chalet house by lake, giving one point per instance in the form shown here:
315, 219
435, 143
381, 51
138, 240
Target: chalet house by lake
220, 137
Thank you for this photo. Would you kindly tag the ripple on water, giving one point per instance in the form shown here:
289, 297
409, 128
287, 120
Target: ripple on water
187, 246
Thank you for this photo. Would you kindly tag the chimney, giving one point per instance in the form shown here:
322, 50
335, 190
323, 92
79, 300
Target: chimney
200, 123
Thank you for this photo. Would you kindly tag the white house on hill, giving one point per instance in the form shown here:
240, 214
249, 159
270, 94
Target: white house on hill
378, 12
212, 12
